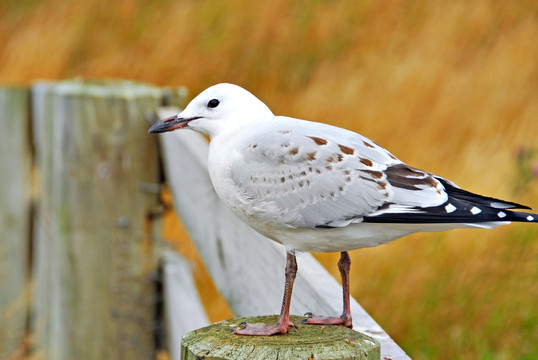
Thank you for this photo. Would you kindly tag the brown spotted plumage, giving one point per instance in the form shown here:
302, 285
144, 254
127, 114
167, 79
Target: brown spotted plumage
346, 150
367, 144
367, 162
294, 151
318, 140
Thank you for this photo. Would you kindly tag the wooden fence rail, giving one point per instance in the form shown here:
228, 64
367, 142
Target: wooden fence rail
76, 273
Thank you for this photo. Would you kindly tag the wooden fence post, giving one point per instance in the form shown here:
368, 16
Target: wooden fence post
15, 185
320, 342
93, 295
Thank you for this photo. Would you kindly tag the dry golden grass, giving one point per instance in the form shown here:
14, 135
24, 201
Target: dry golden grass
458, 78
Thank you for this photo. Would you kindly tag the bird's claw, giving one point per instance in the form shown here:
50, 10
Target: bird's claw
326, 320
262, 330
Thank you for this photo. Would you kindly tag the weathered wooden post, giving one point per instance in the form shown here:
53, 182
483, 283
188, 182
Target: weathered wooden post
93, 296
306, 342
15, 185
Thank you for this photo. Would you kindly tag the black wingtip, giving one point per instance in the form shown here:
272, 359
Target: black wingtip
454, 211
460, 194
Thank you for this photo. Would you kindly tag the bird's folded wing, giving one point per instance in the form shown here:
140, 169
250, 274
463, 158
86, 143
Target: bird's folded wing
319, 176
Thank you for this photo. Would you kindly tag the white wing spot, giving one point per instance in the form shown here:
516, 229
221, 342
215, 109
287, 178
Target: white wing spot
475, 210
450, 208
501, 214
530, 218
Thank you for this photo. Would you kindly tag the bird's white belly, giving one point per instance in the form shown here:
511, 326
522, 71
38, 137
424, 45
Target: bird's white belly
353, 236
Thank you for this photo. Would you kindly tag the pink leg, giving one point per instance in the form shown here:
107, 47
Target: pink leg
345, 319
283, 323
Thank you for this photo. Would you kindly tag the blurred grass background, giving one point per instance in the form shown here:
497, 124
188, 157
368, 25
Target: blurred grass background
447, 86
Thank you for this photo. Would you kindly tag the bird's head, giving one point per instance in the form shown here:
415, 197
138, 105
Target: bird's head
219, 107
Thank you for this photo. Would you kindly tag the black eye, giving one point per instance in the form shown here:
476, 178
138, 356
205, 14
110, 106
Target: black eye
213, 103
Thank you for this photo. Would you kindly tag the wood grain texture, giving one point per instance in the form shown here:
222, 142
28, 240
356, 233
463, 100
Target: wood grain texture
15, 188
182, 303
318, 342
93, 296
247, 268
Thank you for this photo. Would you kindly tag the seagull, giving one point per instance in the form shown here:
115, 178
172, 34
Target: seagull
315, 187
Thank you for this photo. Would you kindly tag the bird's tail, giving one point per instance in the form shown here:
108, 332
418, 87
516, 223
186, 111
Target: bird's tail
462, 207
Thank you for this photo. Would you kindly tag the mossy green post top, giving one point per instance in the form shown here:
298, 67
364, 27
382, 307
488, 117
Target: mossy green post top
333, 342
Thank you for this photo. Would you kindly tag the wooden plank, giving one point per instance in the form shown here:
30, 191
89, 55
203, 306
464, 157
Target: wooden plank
174, 96
15, 187
184, 311
246, 267
306, 342
93, 296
